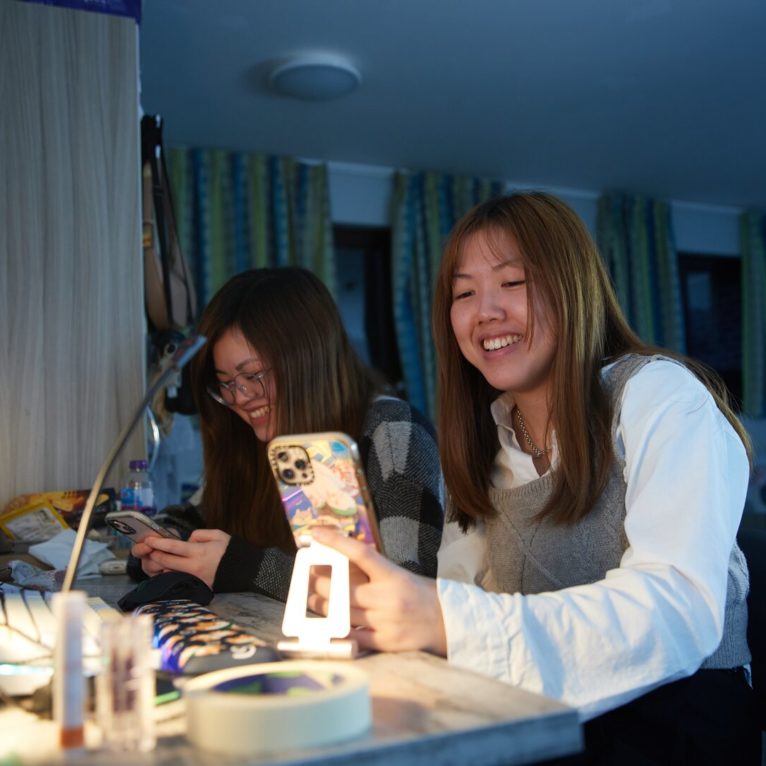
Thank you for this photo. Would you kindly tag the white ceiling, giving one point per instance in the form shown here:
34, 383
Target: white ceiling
660, 97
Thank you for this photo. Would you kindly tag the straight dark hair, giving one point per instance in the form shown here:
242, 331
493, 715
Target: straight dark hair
289, 317
564, 270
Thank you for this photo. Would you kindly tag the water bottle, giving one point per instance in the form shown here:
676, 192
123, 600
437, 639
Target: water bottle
137, 492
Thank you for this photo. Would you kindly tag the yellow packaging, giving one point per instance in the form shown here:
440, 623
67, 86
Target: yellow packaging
41, 515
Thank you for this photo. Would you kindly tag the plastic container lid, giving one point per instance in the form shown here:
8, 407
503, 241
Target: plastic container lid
138, 465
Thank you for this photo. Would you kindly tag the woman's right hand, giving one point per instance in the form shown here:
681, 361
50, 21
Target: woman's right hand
142, 552
200, 555
392, 609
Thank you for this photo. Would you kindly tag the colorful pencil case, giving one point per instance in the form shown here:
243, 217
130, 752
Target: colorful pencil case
193, 639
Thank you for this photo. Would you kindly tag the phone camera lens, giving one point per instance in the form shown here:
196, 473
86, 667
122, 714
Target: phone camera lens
289, 474
300, 464
121, 526
282, 456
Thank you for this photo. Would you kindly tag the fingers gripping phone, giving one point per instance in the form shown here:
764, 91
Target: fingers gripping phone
136, 525
321, 482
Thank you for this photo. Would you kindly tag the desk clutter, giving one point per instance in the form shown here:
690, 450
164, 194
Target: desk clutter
38, 530
239, 694
38, 516
422, 709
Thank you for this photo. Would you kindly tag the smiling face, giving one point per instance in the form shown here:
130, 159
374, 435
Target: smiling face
489, 316
233, 356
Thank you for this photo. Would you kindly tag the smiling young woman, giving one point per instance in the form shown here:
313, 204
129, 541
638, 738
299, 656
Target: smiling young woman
595, 486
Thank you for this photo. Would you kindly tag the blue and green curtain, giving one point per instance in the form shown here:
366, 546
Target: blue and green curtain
425, 208
237, 211
635, 237
752, 231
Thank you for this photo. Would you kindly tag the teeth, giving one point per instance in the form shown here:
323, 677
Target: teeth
492, 344
260, 412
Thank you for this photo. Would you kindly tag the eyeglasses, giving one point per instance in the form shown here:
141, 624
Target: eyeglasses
249, 384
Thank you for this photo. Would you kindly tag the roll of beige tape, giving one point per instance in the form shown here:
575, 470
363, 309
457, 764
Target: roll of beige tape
270, 707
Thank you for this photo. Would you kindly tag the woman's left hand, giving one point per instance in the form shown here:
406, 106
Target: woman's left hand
200, 555
397, 610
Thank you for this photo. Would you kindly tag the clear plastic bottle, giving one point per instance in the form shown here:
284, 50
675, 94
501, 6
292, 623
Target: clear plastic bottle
137, 492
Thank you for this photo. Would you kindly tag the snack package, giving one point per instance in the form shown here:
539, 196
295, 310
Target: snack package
41, 515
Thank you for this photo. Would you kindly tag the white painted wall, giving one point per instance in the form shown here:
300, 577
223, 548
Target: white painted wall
361, 194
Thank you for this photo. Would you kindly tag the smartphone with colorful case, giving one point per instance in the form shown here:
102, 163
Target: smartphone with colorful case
321, 483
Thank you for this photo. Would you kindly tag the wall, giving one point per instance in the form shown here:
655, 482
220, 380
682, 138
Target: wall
360, 194
71, 294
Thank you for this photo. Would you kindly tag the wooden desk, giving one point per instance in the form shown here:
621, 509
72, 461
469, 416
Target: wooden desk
425, 712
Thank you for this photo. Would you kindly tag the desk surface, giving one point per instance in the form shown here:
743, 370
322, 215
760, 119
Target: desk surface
424, 710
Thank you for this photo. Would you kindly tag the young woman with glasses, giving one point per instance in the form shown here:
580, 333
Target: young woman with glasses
278, 361
595, 485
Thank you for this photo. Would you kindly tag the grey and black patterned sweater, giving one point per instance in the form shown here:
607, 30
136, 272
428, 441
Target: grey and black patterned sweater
401, 464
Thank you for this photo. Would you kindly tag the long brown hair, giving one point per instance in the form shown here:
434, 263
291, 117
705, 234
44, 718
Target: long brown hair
288, 316
565, 271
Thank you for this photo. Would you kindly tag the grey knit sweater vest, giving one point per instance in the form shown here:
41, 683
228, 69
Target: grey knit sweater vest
530, 556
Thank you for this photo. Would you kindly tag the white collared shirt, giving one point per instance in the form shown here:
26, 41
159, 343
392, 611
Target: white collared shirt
658, 615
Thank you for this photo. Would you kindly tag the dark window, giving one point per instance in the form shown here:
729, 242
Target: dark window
711, 293
363, 255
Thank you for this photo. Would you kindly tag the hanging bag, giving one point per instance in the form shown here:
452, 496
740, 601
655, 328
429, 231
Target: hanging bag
168, 286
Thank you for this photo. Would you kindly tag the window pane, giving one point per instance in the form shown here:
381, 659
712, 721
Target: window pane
711, 292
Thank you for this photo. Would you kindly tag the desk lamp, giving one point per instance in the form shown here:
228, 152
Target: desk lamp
182, 355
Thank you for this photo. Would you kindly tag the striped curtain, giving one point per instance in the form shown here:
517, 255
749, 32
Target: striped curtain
752, 230
635, 237
238, 211
425, 207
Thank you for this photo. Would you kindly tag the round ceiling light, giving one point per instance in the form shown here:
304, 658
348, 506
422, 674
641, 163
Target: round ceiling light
315, 77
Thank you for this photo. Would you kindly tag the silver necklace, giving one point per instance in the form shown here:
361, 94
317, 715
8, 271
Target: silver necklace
536, 451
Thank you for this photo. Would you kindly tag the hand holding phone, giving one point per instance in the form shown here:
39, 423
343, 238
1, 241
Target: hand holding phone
321, 483
136, 525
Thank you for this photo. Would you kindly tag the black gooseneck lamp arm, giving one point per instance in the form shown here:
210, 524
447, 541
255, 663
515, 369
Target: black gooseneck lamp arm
183, 354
